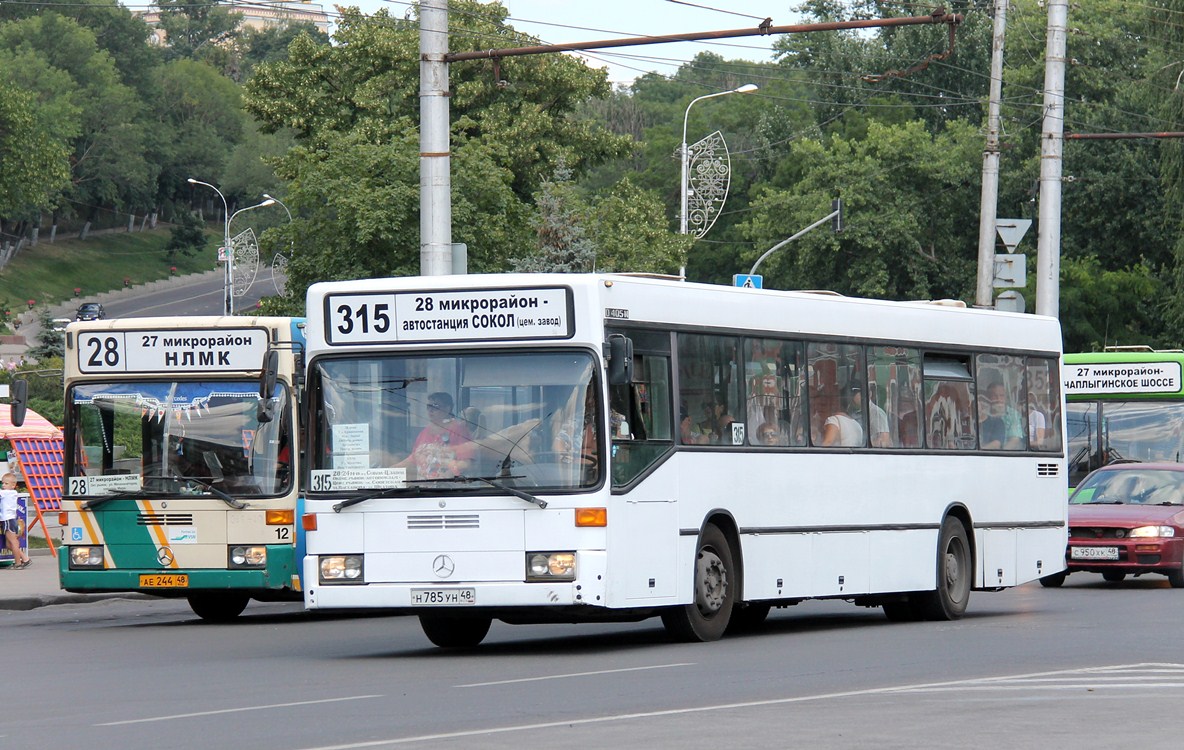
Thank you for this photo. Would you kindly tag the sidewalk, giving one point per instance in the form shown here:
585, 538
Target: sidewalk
37, 585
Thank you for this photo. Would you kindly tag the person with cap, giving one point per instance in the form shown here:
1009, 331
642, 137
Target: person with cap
842, 429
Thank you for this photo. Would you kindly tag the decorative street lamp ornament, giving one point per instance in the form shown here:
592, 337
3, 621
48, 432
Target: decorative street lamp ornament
709, 177
279, 273
246, 261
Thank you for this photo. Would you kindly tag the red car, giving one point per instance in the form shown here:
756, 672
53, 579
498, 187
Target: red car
1127, 519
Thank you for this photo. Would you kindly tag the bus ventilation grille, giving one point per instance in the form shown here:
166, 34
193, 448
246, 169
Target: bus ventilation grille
1048, 470
164, 519
442, 521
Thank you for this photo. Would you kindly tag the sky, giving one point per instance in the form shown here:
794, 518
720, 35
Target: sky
560, 21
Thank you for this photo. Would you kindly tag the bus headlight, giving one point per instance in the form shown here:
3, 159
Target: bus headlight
248, 557
341, 569
86, 557
1152, 531
550, 566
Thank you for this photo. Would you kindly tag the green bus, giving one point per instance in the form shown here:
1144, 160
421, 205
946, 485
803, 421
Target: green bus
1123, 404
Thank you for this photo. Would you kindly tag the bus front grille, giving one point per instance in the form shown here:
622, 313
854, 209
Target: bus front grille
164, 519
444, 521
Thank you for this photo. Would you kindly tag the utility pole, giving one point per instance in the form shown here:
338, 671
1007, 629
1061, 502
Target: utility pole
1048, 241
435, 160
989, 203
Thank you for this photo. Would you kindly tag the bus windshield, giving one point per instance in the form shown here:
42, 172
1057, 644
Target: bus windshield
187, 437
1123, 431
530, 417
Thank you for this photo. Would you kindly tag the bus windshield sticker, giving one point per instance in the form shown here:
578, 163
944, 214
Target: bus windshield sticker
1122, 377
332, 480
220, 350
383, 318
102, 485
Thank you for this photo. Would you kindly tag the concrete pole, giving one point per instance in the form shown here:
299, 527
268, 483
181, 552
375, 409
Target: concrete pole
435, 186
1048, 247
989, 202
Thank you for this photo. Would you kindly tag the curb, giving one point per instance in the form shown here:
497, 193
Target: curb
33, 601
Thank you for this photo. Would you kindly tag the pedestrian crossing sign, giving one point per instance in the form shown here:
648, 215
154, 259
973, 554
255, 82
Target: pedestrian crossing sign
747, 280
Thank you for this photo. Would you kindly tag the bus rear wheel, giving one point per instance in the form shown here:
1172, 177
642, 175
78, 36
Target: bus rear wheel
455, 632
707, 618
218, 607
955, 572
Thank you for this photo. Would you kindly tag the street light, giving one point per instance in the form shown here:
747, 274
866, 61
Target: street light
745, 89
227, 280
277, 200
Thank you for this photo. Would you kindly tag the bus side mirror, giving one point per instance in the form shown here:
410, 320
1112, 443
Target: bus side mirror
20, 401
620, 359
267, 379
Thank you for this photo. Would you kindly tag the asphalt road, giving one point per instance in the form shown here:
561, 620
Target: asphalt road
205, 297
1088, 665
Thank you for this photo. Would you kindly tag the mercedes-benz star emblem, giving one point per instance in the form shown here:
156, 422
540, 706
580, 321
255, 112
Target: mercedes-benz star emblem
165, 556
443, 566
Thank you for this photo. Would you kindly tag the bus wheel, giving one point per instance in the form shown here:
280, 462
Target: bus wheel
1054, 581
955, 570
455, 632
707, 618
218, 607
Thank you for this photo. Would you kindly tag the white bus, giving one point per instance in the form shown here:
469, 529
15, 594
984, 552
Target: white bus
558, 448
181, 460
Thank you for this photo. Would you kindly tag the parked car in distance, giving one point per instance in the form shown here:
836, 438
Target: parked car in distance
90, 311
1127, 519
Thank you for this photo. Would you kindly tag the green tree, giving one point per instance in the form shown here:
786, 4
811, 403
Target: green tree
186, 236
195, 28
562, 246
354, 109
903, 190
61, 61
35, 167
51, 340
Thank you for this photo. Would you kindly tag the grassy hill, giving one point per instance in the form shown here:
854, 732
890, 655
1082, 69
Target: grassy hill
50, 273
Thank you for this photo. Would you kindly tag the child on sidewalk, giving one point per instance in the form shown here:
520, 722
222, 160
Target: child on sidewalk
8, 510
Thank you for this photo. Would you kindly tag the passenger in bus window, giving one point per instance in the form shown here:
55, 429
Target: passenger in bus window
689, 431
841, 428
770, 433
443, 448
718, 423
1000, 427
877, 420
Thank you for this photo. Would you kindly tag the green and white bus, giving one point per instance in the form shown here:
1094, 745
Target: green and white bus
182, 460
559, 448
1123, 404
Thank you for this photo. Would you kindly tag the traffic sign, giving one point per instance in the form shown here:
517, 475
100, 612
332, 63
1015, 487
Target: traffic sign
748, 280
1011, 231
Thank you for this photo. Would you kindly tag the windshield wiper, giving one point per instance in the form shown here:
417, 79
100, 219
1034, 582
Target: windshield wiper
371, 495
494, 482
220, 494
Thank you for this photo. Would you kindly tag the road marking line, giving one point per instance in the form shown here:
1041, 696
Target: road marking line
575, 674
234, 710
726, 706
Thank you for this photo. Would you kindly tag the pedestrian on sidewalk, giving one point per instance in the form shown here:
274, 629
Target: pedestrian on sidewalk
8, 509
